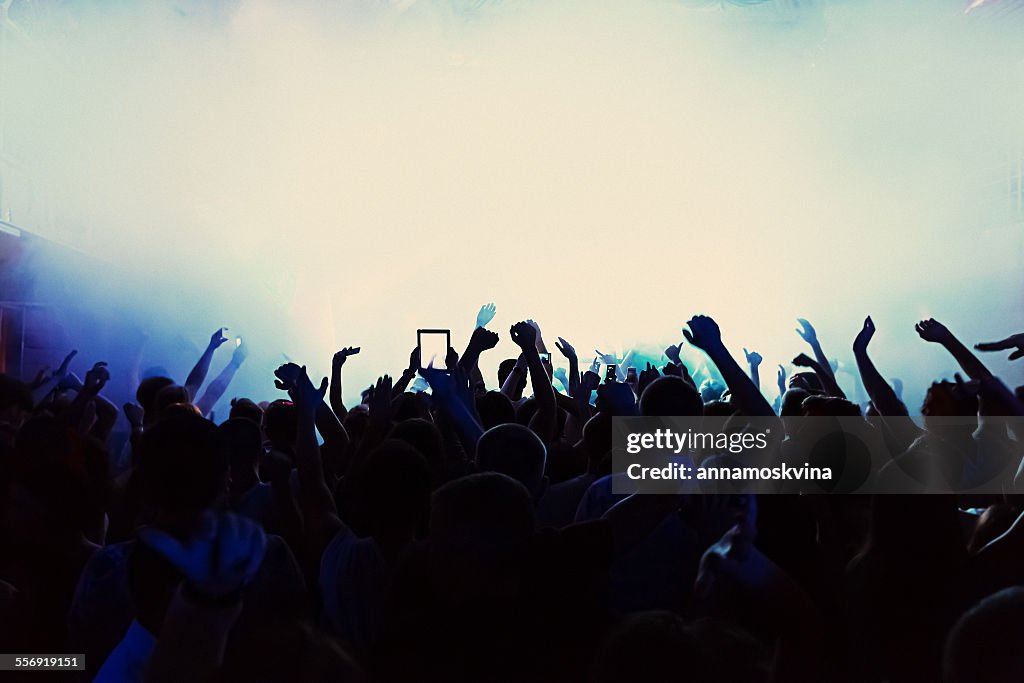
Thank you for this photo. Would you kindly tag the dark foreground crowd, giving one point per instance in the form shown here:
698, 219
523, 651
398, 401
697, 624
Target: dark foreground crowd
472, 533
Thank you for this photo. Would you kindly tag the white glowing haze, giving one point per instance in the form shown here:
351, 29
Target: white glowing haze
344, 176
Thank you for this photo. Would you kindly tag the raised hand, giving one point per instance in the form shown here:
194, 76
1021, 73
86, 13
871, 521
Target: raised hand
414, 360
240, 353
62, 371
485, 315
524, 335
780, 379
562, 376
647, 375
1014, 341
222, 557
96, 379
606, 358
804, 361
483, 340
218, 338
595, 365
703, 332
806, 331
672, 353
306, 395
932, 330
863, 338
288, 376
753, 358
380, 401
341, 356
566, 349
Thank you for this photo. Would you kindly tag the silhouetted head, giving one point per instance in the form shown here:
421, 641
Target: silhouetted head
409, 405
808, 381
168, 396
505, 369
146, 395
830, 406
793, 402
480, 529
396, 489
243, 444
176, 409
670, 397
279, 424
597, 440
494, 409
947, 399
183, 466
355, 424
246, 409
513, 450
426, 438
984, 644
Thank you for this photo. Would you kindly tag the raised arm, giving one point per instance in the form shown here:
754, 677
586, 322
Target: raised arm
827, 378
566, 349
220, 384
1014, 341
524, 334
319, 512
202, 368
481, 340
337, 405
753, 362
408, 374
882, 396
454, 396
703, 333
809, 335
512, 387
933, 331
539, 343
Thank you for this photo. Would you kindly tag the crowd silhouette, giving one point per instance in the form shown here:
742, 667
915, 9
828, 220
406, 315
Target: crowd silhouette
457, 527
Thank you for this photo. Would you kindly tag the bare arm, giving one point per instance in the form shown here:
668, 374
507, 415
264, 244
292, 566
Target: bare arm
524, 335
753, 362
827, 379
215, 390
195, 379
881, 394
566, 349
703, 333
932, 330
337, 405
512, 386
319, 512
809, 335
